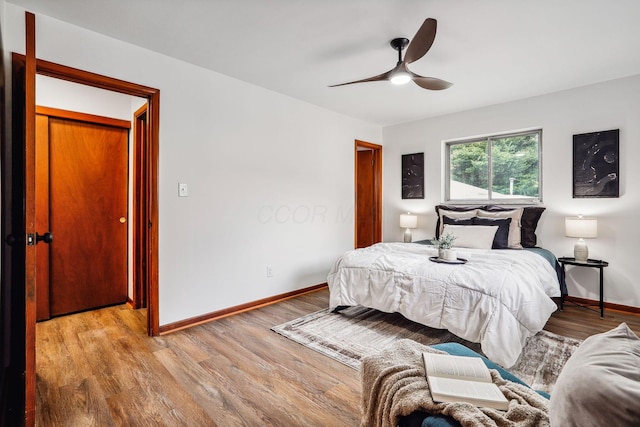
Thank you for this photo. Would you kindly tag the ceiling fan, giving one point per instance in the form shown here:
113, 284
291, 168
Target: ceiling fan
418, 47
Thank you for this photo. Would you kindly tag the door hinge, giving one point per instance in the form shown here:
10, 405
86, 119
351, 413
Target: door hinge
31, 239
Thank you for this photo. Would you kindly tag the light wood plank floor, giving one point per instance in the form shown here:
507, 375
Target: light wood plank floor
100, 369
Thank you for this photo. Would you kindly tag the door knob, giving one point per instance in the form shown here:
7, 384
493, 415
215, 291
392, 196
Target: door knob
46, 237
123, 220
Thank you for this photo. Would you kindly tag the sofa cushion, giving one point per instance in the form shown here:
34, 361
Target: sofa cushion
600, 383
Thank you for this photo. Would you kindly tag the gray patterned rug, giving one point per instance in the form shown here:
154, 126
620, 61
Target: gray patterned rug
353, 333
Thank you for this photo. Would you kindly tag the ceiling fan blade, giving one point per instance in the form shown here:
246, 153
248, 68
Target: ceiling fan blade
379, 77
422, 41
430, 83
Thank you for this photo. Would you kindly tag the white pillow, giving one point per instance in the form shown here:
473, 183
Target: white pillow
472, 236
455, 215
600, 383
515, 228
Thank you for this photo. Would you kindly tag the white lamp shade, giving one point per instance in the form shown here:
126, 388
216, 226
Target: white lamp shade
581, 227
408, 221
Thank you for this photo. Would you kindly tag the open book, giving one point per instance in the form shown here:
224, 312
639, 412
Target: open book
462, 379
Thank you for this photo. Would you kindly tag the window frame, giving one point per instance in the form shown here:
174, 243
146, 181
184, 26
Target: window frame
488, 139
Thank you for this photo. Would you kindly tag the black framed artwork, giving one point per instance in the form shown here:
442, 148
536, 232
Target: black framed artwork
596, 164
413, 176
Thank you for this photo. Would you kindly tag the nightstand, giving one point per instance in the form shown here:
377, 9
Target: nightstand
594, 263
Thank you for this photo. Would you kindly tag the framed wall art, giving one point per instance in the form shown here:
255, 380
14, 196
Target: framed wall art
413, 176
596, 164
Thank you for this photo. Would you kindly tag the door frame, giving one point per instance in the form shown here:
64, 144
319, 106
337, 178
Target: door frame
377, 189
140, 207
152, 95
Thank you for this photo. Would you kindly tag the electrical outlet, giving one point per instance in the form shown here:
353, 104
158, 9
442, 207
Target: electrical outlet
183, 190
269, 271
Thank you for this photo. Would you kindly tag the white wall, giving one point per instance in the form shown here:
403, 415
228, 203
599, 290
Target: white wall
610, 105
56, 93
270, 178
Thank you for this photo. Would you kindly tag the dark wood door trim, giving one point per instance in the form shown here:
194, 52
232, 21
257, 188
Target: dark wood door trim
153, 104
377, 190
140, 208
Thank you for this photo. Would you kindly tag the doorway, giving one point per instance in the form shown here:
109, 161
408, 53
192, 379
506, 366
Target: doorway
368, 189
145, 148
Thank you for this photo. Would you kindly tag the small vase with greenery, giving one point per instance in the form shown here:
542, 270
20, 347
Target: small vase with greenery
444, 244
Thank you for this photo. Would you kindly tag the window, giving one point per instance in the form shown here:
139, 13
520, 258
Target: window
499, 168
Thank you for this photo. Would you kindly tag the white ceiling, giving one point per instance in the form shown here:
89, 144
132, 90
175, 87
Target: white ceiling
492, 50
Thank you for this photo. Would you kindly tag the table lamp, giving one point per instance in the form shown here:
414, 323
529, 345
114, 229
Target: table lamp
582, 228
408, 222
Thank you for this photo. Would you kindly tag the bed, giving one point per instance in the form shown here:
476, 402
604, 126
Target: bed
498, 298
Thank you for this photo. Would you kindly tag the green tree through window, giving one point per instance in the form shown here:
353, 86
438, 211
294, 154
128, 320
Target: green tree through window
496, 167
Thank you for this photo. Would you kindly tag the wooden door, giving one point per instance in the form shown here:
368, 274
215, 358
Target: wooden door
86, 180
365, 200
43, 311
30, 219
368, 203
17, 299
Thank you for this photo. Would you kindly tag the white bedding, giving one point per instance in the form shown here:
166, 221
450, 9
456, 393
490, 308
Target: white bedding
498, 298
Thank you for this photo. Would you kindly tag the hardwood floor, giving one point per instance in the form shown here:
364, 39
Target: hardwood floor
100, 369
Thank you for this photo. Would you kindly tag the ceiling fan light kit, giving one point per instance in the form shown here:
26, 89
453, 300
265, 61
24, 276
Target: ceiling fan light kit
399, 75
400, 78
416, 49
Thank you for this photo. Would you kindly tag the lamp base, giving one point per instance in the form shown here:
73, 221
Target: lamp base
407, 236
581, 251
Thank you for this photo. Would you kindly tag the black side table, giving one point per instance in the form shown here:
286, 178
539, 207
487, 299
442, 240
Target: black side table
595, 263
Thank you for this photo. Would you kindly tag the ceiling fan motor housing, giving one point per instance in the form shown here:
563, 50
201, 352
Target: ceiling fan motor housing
399, 44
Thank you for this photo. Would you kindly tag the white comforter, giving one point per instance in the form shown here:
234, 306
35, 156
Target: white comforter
498, 298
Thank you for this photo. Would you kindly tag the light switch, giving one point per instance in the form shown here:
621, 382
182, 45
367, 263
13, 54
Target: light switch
183, 190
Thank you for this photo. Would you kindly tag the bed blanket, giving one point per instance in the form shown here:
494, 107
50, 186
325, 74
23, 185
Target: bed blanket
498, 298
394, 385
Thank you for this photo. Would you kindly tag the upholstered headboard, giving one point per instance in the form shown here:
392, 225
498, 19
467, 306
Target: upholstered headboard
528, 220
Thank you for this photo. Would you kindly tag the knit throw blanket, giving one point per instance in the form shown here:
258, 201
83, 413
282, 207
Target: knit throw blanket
394, 385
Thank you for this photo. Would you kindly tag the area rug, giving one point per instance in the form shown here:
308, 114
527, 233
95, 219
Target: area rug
355, 332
